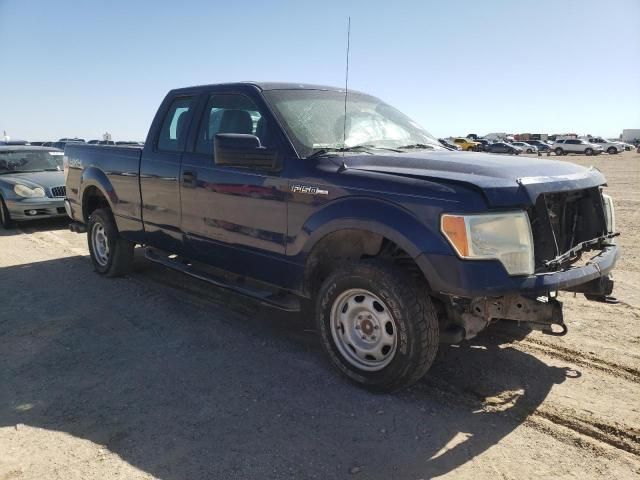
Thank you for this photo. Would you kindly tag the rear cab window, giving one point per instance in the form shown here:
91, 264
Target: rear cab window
175, 126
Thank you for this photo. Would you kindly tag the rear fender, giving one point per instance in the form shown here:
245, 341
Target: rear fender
94, 177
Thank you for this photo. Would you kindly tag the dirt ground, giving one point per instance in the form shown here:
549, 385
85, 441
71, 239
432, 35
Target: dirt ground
160, 376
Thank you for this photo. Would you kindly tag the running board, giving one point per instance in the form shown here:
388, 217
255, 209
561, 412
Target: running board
282, 301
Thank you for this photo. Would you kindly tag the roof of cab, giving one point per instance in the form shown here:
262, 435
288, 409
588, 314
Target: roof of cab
263, 86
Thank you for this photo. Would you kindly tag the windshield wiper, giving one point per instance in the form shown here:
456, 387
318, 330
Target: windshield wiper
417, 146
325, 151
376, 147
364, 147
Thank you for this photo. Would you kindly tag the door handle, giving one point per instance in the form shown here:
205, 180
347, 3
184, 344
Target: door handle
189, 179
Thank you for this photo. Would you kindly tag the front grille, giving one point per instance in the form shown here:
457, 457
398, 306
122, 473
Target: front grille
58, 191
560, 221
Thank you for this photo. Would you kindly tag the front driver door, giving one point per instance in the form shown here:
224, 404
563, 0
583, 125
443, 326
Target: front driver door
234, 218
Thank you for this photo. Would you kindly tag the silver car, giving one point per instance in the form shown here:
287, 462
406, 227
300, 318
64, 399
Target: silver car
31, 183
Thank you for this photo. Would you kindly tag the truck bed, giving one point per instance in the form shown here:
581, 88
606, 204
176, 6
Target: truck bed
87, 165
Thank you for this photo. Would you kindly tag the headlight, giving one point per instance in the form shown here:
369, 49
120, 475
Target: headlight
28, 192
609, 213
502, 236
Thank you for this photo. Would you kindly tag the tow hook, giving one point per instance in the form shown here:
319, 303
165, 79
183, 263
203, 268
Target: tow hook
547, 328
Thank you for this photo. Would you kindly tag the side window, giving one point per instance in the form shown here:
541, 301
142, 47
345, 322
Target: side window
173, 133
230, 113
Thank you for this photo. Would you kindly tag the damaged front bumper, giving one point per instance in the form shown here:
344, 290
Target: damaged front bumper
528, 301
451, 276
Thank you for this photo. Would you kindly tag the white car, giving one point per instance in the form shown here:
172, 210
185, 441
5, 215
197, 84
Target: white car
576, 145
526, 147
607, 145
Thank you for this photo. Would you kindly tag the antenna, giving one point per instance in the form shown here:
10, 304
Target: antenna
346, 92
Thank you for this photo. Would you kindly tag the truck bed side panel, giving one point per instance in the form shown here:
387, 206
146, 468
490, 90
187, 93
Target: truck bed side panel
115, 172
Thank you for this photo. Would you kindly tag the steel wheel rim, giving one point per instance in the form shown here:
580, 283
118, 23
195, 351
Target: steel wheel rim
100, 244
363, 330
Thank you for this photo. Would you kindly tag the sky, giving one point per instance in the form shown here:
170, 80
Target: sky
82, 68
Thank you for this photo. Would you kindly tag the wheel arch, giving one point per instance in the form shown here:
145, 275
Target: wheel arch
96, 192
372, 228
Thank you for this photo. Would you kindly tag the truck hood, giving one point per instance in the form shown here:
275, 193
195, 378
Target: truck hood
504, 180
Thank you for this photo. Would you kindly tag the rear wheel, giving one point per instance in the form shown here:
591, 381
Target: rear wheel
111, 254
5, 216
559, 151
377, 324
588, 151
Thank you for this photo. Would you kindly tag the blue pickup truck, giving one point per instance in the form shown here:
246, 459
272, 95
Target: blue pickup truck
288, 193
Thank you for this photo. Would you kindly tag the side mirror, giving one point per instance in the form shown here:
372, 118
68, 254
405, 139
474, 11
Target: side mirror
242, 150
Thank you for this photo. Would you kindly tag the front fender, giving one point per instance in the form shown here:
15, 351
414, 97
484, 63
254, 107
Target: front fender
392, 221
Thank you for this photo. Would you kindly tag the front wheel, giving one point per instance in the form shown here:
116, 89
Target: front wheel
612, 150
377, 324
559, 151
588, 151
111, 254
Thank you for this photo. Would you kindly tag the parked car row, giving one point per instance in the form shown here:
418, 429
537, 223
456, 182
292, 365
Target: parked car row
560, 146
64, 141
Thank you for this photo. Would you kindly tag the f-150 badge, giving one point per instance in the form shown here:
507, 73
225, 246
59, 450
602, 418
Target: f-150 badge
309, 190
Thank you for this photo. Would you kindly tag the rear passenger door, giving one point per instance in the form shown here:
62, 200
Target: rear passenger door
572, 145
160, 173
234, 218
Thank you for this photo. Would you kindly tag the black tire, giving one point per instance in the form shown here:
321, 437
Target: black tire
529, 150
588, 151
559, 151
410, 307
612, 150
5, 216
119, 256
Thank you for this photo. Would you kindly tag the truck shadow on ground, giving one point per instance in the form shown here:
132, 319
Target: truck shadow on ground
193, 382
